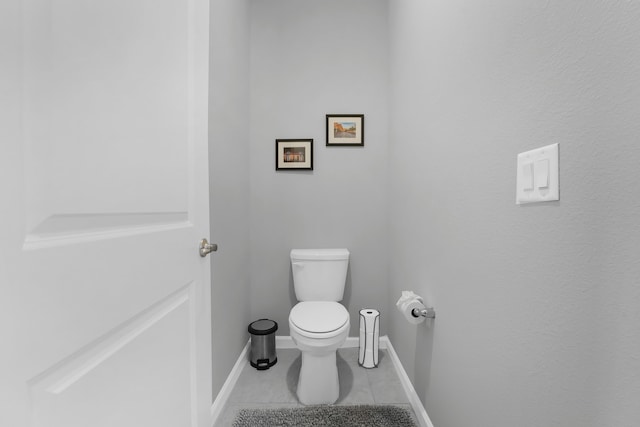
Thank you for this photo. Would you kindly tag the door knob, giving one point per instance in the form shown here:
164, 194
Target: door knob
206, 248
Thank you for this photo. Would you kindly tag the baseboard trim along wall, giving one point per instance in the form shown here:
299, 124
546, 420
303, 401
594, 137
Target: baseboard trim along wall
232, 378
414, 400
283, 342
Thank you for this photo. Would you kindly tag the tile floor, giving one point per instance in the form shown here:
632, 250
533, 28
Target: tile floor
276, 387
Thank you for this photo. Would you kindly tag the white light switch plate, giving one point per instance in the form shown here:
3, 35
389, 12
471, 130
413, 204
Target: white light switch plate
544, 185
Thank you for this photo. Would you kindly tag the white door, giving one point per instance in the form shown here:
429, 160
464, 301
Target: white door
104, 299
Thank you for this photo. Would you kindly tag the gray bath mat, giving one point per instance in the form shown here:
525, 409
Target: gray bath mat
348, 416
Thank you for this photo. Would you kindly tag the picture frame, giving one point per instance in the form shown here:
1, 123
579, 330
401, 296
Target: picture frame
294, 154
345, 130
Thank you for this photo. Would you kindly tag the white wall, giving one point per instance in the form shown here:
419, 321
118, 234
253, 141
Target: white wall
537, 305
310, 58
229, 182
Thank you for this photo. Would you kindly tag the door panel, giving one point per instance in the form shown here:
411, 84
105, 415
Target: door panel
83, 390
105, 301
107, 87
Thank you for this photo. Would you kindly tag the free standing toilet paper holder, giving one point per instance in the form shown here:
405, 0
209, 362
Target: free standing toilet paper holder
428, 312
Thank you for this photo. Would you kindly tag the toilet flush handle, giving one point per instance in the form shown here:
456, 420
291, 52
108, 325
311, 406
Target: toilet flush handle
298, 265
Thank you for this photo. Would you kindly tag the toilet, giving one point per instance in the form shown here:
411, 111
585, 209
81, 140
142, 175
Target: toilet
318, 323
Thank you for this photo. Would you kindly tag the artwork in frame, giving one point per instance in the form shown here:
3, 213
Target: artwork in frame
294, 154
345, 129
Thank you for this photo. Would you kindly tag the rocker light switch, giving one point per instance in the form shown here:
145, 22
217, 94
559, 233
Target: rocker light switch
537, 177
542, 173
527, 176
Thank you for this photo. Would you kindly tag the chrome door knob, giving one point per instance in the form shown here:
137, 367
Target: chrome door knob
206, 248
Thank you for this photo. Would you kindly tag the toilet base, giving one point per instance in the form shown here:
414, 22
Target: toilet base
318, 383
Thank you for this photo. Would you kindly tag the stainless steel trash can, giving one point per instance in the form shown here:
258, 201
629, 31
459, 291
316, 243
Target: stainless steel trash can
263, 343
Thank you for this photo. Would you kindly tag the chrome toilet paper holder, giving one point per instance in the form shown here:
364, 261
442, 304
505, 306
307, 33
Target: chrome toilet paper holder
428, 312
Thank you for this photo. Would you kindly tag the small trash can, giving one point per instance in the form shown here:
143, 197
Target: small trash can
369, 337
263, 343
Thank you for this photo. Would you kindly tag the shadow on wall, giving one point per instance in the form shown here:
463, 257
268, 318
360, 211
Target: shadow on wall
292, 292
422, 357
346, 299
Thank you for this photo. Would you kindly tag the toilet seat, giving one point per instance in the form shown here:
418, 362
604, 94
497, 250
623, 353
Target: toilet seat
318, 317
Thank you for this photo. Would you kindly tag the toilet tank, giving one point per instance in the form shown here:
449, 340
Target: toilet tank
319, 274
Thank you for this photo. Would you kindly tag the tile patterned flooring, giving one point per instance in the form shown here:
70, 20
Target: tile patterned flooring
276, 386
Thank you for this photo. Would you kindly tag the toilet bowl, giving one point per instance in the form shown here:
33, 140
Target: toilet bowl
318, 328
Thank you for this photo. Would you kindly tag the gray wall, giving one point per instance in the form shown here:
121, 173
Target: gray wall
537, 305
308, 59
229, 181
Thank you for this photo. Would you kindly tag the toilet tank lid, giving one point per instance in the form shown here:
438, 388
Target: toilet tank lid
319, 254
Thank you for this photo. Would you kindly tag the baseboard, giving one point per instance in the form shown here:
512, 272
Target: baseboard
414, 400
283, 342
222, 397
351, 342
287, 342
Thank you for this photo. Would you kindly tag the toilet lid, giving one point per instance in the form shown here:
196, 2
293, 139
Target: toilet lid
319, 316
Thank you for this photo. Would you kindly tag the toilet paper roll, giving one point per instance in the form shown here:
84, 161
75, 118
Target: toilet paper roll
407, 302
408, 307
